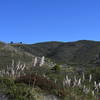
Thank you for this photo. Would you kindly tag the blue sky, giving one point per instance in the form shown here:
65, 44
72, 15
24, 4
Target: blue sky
32, 21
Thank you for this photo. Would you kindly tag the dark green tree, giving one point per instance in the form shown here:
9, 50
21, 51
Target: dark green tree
56, 68
11, 42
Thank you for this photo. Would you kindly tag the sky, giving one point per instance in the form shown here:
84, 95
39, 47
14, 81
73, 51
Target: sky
31, 21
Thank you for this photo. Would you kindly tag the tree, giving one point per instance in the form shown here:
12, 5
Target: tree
56, 68
20, 42
11, 42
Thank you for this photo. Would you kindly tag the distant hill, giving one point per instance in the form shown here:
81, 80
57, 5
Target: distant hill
83, 52
78, 53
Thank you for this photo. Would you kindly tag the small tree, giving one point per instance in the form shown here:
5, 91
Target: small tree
20, 42
56, 68
11, 42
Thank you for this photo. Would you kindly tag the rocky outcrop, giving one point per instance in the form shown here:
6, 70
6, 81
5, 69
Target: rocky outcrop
3, 97
50, 97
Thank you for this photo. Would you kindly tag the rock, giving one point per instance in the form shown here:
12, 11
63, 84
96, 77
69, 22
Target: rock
3, 97
50, 97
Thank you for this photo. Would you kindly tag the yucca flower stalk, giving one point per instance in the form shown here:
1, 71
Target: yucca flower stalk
75, 81
95, 83
93, 92
79, 82
69, 82
86, 90
35, 61
55, 80
42, 61
13, 63
96, 87
23, 67
99, 85
12, 73
83, 76
44, 75
18, 67
90, 77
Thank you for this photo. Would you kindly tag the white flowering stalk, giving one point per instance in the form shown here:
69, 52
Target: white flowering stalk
23, 67
44, 75
42, 61
90, 78
74, 84
55, 80
75, 79
67, 77
86, 90
12, 72
97, 88
99, 85
93, 92
7, 73
13, 63
69, 82
79, 82
18, 65
35, 61
65, 83
83, 77
95, 83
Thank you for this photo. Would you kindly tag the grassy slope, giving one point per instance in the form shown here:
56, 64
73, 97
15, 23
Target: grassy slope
79, 52
8, 53
84, 52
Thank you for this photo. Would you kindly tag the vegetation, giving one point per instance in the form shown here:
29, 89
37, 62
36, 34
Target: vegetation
38, 81
15, 91
56, 68
76, 76
80, 53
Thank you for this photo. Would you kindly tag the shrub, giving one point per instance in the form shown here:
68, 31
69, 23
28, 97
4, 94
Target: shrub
56, 68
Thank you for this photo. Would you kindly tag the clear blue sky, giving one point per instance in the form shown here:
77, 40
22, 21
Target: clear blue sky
33, 21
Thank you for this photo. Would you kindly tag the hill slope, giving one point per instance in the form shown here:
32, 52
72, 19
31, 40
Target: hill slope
9, 53
83, 52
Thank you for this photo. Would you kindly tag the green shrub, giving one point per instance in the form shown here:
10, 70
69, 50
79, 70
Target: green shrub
56, 68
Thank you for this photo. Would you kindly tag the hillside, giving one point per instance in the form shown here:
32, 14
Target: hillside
78, 53
83, 52
9, 53
20, 79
